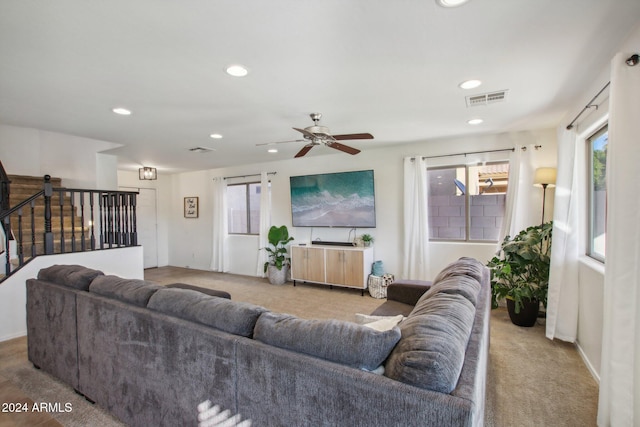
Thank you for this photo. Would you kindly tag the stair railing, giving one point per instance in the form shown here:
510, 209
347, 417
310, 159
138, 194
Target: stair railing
99, 219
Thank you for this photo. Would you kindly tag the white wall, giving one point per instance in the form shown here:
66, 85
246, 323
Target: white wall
123, 262
190, 239
33, 152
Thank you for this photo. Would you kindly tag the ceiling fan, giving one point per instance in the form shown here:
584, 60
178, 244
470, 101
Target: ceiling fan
316, 135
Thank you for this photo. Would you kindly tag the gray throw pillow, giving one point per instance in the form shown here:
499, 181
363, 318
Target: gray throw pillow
234, 317
342, 342
73, 276
132, 291
431, 352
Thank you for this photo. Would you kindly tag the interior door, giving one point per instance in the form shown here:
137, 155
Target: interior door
147, 223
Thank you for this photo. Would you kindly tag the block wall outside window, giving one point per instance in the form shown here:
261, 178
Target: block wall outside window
450, 218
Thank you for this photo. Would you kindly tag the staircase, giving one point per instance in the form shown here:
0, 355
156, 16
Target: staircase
48, 219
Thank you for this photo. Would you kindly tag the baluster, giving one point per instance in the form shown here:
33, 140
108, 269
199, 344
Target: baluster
20, 247
48, 235
110, 219
82, 244
72, 198
33, 229
134, 221
92, 222
61, 203
7, 231
102, 218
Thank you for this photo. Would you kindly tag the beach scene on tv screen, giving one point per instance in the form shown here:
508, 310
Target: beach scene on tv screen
344, 199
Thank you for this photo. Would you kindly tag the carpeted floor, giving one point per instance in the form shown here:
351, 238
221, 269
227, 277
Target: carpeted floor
531, 381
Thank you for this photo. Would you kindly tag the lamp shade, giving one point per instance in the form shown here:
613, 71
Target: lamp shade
147, 173
545, 176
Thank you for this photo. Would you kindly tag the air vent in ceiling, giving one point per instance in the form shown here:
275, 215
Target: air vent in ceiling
201, 149
486, 98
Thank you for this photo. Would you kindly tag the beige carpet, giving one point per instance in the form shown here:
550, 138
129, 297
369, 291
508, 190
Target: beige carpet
531, 381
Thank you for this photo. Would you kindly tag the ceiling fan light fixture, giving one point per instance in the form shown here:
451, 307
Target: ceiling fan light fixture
451, 3
470, 84
237, 70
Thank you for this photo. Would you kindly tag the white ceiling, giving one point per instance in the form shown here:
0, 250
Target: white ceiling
391, 68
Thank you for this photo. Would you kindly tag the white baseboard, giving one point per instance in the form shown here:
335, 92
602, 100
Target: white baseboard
12, 336
587, 362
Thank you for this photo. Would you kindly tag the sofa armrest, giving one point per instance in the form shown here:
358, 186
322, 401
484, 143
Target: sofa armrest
407, 291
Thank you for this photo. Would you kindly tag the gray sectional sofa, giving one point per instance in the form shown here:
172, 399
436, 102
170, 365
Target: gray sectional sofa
149, 354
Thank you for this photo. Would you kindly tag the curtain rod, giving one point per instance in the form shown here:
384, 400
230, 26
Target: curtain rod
471, 152
631, 61
246, 176
589, 105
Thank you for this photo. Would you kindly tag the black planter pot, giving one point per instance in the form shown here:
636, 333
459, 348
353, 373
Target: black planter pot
528, 313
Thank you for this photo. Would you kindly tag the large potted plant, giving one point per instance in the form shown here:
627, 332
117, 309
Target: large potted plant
520, 273
277, 265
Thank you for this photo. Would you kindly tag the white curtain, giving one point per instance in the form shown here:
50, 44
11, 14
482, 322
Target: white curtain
416, 220
562, 299
619, 403
265, 222
511, 220
220, 257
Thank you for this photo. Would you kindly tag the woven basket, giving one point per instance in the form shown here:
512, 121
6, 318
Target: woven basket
378, 285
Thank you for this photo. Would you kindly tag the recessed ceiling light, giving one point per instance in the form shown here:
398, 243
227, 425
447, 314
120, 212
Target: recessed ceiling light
122, 111
272, 150
451, 3
470, 84
475, 121
237, 70
215, 136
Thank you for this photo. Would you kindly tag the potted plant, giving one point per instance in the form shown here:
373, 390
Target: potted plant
520, 273
367, 239
277, 265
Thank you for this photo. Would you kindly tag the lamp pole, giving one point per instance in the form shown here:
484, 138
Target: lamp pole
544, 197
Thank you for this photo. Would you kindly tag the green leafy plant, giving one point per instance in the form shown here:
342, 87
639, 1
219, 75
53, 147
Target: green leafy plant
278, 239
367, 238
521, 271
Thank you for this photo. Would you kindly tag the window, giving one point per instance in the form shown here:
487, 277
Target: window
467, 202
244, 208
597, 149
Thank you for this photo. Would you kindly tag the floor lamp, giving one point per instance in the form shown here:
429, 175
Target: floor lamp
544, 177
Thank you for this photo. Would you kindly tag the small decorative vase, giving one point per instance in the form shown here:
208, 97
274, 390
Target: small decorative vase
277, 277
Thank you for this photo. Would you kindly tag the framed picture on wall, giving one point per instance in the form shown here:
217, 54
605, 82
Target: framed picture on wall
191, 207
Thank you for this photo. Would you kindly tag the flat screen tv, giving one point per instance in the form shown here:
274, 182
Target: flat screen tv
343, 199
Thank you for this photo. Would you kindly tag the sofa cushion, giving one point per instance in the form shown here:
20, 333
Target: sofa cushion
234, 317
431, 352
466, 286
342, 342
462, 267
212, 292
73, 276
132, 291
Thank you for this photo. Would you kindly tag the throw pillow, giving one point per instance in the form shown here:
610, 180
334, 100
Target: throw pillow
73, 276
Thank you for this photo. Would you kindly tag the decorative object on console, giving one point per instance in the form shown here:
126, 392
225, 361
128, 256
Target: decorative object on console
341, 199
277, 265
191, 207
145, 173
521, 273
367, 239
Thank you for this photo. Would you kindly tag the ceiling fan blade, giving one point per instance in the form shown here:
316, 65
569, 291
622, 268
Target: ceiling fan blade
343, 147
280, 142
306, 133
304, 150
353, 136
